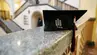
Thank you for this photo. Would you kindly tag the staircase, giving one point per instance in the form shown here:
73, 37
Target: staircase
21, 9
62, 6
9, 26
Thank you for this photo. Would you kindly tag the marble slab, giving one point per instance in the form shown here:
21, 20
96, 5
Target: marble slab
33, 42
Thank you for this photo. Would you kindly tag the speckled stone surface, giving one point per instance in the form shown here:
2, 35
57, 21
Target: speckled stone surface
31, 42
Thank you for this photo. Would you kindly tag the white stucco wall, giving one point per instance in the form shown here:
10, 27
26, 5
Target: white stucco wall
20, 19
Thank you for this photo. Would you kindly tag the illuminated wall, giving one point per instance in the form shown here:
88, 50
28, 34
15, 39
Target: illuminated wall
95, 28
4, 10
4, 5
17, 4
90, 6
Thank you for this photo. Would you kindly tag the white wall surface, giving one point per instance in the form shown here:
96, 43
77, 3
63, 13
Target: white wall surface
20, 19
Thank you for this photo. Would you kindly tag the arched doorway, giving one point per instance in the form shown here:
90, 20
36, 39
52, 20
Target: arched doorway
37, 19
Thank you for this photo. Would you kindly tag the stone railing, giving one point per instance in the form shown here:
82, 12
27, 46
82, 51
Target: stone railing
35, 42
68, 7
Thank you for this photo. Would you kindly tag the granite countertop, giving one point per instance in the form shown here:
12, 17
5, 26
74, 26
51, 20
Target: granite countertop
28, 42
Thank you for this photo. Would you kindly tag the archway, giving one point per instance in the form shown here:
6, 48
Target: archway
4, 10
37, 19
